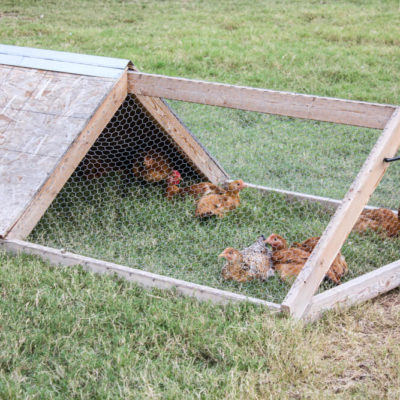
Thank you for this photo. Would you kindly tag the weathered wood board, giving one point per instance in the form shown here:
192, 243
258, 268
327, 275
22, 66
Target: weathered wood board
42, 113
295, 105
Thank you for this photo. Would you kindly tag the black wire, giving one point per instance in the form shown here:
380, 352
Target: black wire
391, 159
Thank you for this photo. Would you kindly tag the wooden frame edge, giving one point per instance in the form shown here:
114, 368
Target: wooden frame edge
143, 278
310, 277
355, 291
351, 112
184, 139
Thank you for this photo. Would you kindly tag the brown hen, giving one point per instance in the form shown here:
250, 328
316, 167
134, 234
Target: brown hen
219, 204
339, 265
197, 190
172, 189
155, 167
380, 220
290, 261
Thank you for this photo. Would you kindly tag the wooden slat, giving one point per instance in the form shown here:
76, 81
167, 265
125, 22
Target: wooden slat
146, 279
69, 161
342, 222
356, 291
183, 138
296, 105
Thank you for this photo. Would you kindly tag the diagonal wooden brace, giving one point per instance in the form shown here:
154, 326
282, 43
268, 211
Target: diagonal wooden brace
300, 294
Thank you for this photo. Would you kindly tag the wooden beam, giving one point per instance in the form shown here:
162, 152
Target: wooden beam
194, 151
356, 291
296, 105
341, 224
70, 160
146, 279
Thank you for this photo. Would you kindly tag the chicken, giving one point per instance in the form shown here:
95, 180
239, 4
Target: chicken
287, 262
339, 265
211, 205
172, 182
253, 262
220, 204
380, 220
201, 189
290, 261
155, 167
197, 190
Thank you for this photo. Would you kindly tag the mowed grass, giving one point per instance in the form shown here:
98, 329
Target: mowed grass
347, 49
69, 334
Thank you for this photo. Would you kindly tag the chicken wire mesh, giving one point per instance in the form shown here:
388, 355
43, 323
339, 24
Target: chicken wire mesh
125, 202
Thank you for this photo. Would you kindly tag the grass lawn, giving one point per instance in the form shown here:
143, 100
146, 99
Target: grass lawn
65, 333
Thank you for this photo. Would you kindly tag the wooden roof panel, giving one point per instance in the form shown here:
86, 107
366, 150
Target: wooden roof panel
42, 114
21, 176
39, 134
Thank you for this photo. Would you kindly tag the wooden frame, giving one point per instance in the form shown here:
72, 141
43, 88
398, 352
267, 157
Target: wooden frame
300, 301
369, 115
341, 224
149, 89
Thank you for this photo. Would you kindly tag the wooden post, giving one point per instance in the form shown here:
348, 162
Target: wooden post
341, 224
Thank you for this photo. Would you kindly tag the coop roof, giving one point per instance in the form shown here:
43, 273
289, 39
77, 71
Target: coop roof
53, 106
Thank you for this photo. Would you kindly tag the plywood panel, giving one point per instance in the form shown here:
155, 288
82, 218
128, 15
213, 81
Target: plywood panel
38, 134
43, 116
53, 92
71, 96
66, 164
4, 71
19, 87
21, 175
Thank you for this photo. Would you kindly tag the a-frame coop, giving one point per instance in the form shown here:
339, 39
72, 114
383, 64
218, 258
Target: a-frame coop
67, 120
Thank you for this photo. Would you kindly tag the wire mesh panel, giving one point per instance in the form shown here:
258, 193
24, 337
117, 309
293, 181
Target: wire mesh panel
133, 199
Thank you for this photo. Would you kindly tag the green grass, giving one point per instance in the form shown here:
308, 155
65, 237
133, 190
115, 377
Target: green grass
342, 48
70, 334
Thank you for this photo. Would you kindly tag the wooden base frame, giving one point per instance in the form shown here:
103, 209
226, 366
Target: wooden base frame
301, 301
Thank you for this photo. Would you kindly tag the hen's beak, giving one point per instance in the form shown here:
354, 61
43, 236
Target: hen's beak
222, 254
